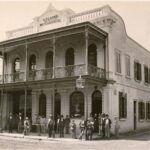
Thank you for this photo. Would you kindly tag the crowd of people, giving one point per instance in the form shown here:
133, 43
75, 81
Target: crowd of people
97, 123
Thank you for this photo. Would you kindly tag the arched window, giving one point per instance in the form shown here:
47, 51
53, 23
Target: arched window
42, 105
32, 62
49, 60
16, 65
96, 102
92, 55
57, 105
77, 104
69, 57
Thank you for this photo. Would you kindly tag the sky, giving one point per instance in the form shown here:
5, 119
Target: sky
136, 14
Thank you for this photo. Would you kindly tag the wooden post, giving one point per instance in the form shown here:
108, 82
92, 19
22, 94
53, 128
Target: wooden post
54, 55
26, 79
25, 102
26, 62
2, 93
86, 51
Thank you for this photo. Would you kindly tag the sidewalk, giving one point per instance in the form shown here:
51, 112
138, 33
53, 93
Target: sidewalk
67, 137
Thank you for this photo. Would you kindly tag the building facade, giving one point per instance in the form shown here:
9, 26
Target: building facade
43, 62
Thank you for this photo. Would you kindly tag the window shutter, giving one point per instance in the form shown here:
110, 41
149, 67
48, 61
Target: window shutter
125, 106
148, 75
139, 110
120, 105
140, 73
146, 110
135, 70
143, 110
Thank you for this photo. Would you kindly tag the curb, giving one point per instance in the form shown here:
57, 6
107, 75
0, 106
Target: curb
39, 138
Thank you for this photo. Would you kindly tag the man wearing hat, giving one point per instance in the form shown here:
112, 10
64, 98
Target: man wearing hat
20, 123
10, 122
26, 126
51, 125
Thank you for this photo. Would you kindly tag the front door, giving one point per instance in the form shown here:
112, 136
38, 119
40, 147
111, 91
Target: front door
96, 103
134, 115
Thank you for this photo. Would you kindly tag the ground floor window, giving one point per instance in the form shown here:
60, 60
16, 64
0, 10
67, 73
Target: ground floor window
122, 105
148, 110
77, 104
141, 110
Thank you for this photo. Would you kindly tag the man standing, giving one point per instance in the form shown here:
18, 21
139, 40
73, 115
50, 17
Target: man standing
67, 124
107, 126
10, 122
61, 126
26, 126
103, 125
90, 128
51, 127
82, 128
20, 123
38, 125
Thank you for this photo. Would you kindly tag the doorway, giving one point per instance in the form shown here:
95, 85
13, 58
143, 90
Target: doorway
96, 102
57, 105
135, 114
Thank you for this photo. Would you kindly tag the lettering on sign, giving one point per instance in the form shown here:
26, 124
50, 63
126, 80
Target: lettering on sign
50, 20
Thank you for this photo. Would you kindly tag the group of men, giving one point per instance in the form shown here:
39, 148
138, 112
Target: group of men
61, 125
22, 125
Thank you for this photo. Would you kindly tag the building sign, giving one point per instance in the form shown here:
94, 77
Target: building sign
50, 20
80, 82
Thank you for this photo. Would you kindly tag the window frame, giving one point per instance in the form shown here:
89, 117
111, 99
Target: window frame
127, 69
138, 73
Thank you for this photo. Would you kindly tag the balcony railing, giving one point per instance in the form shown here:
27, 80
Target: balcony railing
59, 72
41, 74
96, 72
69, 71
15, 77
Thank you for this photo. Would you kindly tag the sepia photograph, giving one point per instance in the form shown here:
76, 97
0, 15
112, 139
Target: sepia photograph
74, 75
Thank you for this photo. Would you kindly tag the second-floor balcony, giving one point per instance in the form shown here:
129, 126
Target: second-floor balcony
57, 72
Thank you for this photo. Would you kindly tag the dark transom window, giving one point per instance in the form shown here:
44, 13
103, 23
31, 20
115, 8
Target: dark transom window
69, 60
49, 60
32, 62
92, 55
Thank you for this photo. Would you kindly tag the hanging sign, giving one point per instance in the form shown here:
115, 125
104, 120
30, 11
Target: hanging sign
80, 82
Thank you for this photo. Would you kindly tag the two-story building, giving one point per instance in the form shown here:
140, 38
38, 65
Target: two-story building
43, 62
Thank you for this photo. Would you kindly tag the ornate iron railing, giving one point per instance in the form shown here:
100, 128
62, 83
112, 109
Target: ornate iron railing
69, 71
14, 77
59, 72
96, 72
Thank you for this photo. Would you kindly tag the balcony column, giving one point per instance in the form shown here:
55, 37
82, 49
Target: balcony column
2, 93
26, 78
54, 54
26, 62
86, 50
